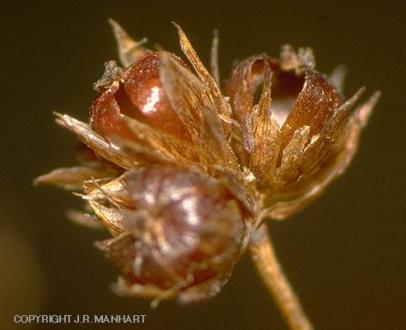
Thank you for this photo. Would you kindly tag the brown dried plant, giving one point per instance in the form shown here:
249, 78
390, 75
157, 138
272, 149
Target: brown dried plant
183, 174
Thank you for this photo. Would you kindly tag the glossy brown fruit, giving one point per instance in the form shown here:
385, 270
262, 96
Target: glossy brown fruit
137, 94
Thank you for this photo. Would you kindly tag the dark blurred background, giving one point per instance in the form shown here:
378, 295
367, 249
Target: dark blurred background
345, 254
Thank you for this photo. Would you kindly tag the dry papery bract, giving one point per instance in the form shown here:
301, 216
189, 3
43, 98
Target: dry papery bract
182, 171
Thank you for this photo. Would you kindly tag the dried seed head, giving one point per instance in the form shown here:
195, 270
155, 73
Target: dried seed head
179, 172
178, 230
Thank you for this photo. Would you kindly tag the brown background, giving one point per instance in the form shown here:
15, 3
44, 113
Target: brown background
345, 254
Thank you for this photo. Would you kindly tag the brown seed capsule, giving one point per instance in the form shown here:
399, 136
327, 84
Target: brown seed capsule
182, 235
137, 94
300, 135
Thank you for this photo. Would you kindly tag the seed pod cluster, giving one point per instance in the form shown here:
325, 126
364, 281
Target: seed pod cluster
180, 172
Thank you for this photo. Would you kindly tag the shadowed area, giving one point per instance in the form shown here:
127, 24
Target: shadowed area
344, 254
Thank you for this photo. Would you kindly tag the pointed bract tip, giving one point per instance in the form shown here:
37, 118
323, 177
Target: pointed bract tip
114, 24
176, 25
360, 92
181, 33
365, 110
37, 181
375, 97
337, 77
58, 114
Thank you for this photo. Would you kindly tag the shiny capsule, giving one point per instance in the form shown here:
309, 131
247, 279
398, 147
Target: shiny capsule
138, 93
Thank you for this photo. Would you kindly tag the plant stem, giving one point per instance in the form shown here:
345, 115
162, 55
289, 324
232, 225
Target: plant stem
268, 267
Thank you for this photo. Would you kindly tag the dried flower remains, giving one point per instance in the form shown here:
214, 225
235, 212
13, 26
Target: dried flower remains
182, 173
